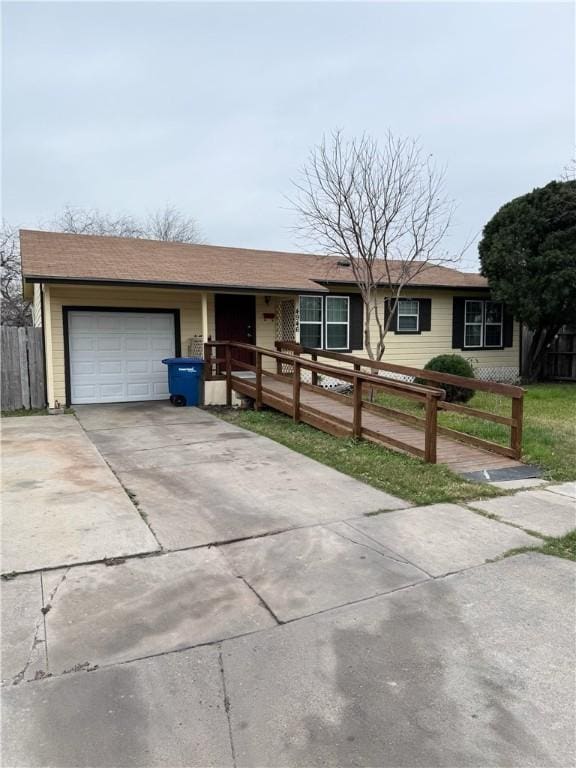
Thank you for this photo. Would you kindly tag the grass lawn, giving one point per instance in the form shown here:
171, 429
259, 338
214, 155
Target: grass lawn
549, 424
549, 441
387, 470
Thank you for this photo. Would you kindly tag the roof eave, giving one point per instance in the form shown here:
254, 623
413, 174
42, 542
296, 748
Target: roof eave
414, 286
31, 278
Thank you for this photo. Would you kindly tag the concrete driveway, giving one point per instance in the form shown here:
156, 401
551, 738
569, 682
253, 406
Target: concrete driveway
225, 601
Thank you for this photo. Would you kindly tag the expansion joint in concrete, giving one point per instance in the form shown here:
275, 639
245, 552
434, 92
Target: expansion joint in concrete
227, 704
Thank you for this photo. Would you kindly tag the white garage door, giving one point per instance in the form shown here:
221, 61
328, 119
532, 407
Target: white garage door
116, 357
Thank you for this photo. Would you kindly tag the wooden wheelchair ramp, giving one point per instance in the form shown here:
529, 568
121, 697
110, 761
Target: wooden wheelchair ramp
352, 415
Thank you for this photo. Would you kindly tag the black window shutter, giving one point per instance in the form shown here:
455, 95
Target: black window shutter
458, 322
393, 327
425, 323
356, 322
508, 329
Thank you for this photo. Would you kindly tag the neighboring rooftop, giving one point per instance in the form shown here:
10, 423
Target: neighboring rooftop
93, 258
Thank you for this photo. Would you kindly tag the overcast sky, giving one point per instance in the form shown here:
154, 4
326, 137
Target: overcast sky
214, 107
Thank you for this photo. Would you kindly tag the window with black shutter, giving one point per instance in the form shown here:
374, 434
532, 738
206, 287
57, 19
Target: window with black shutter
479, 323
334, 322
411, 316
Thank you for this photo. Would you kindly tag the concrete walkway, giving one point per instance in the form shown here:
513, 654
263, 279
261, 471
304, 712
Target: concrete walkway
249, 612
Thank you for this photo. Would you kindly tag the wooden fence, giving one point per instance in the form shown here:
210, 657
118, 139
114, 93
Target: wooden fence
560, 358
22, 363
560, 362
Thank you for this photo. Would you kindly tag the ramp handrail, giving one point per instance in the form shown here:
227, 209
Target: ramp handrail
515, 393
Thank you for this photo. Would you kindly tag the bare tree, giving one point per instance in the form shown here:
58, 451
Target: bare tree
14, 309
381, 208
171, 224
569, 171
168, 224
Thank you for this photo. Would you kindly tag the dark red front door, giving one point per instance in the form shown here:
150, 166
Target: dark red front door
236, 321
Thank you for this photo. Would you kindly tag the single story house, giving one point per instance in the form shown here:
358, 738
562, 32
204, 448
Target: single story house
111, 308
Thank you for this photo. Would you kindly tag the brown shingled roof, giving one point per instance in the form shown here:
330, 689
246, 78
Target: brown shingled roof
92, 258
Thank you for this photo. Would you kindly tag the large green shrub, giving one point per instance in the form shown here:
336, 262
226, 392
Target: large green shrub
456, 365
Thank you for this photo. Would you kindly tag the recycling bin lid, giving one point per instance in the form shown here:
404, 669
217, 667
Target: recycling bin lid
182, 360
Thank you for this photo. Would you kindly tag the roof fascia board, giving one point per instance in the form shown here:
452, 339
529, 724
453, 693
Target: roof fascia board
152, 284
412, 286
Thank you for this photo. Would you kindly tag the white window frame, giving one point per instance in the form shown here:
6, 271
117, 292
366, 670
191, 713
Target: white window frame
481, 323
313, 322
408, 314
501, 324
332, 322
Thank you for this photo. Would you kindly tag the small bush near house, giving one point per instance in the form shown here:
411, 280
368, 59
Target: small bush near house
456, 365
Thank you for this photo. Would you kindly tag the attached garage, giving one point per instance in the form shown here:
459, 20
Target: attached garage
116, 356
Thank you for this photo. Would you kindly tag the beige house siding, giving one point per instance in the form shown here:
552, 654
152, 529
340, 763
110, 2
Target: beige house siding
415, 350
188, 302
412, 350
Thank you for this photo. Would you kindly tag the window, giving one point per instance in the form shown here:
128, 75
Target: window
483, 324
337, 322
408, 315
493, 324
325, 322
311, 321
473, 320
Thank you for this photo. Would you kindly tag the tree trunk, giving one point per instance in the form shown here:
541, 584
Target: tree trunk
537, 354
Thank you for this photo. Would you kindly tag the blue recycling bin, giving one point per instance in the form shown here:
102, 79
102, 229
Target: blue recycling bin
185, 376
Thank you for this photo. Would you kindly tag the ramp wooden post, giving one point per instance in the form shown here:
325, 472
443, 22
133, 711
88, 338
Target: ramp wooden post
431, 429
296, 391
258, 400
314, 357
357, 418
228, 376
516, 428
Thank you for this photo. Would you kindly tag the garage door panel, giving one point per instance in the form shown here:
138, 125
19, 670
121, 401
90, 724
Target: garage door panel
136, 343
108, 342
82, 343
139, 366
84, 368
110, 366
84, 322
114, 389
138, 389
157, 366
86, 391
161, 388
161, 343
107, 323
117, 356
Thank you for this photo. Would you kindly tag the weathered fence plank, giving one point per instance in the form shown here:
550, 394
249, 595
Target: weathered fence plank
22, 368
24, 373
560, 357
36, 367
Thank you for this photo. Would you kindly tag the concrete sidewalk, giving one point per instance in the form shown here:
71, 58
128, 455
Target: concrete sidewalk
278, 628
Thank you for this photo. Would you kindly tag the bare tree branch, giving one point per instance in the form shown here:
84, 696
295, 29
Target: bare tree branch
166, 224
14, 309
383, 209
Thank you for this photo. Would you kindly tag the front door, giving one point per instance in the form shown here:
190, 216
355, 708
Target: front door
236, 321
